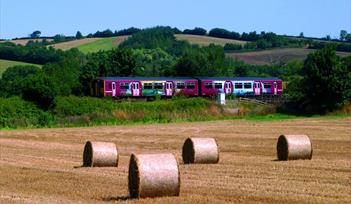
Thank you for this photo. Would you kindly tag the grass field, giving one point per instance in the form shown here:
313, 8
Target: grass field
43, 165
87, 45
275, 55
4, 64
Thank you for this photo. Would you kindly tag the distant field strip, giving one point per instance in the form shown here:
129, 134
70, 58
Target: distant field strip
24, 41
4, 64
275, 55
206, 40
74, 43
101, 44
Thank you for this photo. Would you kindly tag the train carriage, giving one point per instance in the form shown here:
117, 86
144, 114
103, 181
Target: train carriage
209, 86
188, 86
144, 86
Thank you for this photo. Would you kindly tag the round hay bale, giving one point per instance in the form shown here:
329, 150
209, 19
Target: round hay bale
153, 175
291, 147
200, 150
100, 154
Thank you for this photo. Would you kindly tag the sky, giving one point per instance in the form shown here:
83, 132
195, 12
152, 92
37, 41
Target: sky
315, 18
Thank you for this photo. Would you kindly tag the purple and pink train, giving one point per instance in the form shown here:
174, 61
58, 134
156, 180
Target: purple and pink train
120, 87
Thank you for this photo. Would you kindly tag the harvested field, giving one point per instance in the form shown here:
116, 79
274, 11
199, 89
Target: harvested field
87, 45
74, 43
206, 40
275, 56
43, 165
25, 41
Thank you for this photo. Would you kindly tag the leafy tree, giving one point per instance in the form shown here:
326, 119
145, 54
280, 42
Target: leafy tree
66, 70
128, 31
35, 34
95, 66
103, 34
343, 34
59, 38
348, 37
328, 38
41, 90
206, 61
158, 37
325, 85
195, 31
232, 46
263, 44
223, 33
301, 35
13, 77
122, 63
153, 62
79, 35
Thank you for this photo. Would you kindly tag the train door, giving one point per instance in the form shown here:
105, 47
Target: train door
257, 88
135, 89
169, 88
275, 87
228, 87
113, 86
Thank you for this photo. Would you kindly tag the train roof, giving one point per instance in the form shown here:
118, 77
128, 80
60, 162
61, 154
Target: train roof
238, 78
146, 78
190, 78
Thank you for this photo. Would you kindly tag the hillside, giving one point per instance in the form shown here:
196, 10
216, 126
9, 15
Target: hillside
87, 45
4, 64
274, 56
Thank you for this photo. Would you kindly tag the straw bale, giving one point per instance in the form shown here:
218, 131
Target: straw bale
153, 175
292, 147
100, 154
200, 150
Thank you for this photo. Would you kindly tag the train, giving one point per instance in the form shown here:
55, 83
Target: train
137, 87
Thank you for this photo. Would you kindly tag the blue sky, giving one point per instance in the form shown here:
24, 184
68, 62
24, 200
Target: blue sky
315, 18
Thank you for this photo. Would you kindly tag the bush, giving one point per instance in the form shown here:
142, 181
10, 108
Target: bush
231, 46
41, 90
15, 112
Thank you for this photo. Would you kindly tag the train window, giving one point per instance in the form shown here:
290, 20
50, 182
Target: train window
180, 85
147, 85
218, 85
208, 85
158, 86
266, 85
190, 85
247, 85
124, 86
238, 85
113, 86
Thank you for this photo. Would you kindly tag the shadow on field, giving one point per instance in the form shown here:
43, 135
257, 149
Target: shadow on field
118, 198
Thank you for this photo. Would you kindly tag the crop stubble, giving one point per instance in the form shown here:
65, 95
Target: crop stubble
42, 165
